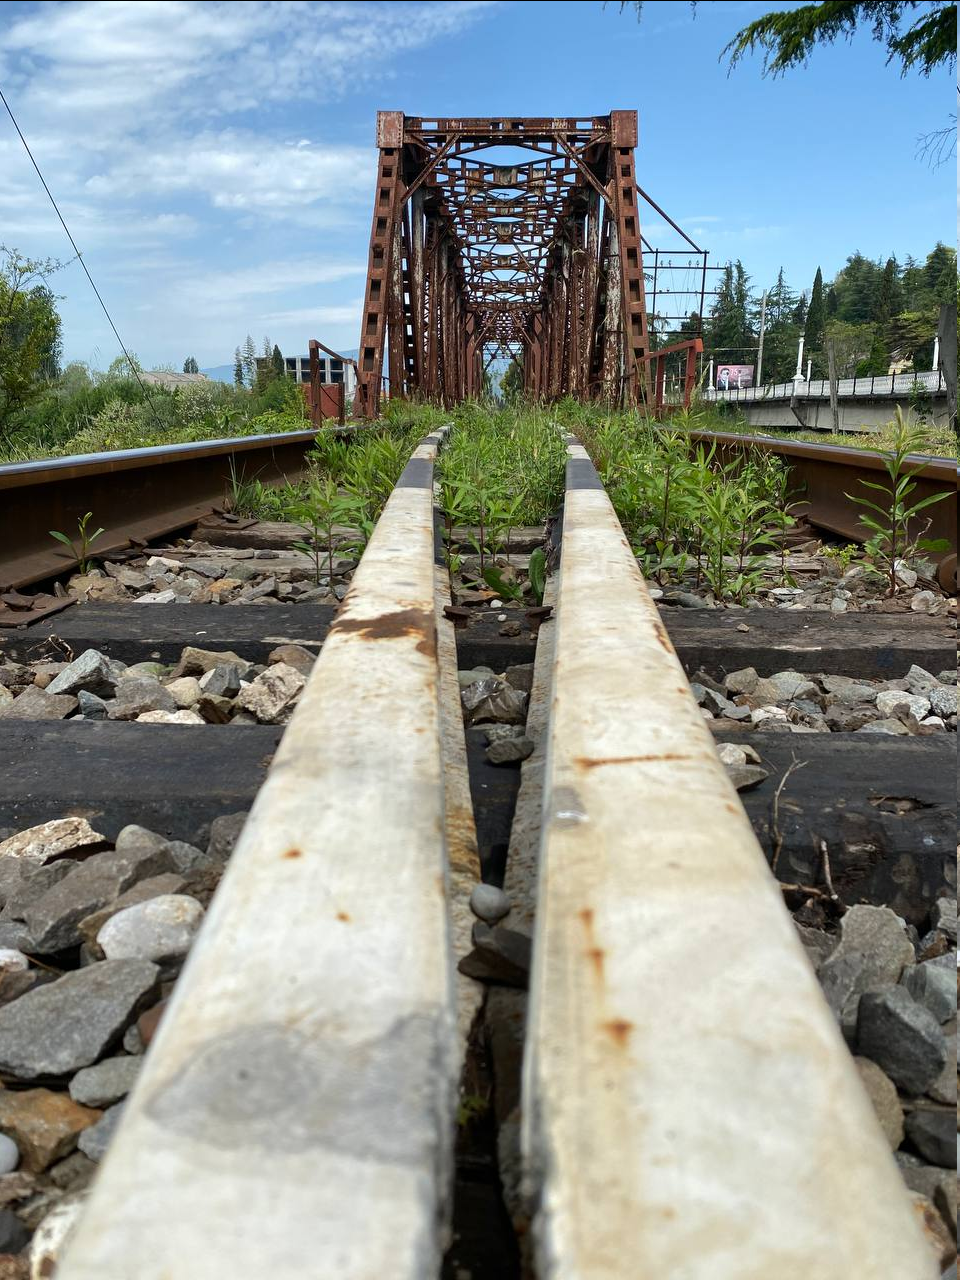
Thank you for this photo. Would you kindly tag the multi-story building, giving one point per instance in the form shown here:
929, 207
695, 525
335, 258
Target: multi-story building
331, 371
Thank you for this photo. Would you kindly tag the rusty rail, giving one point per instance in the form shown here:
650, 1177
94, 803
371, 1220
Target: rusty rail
827, 473
134, 494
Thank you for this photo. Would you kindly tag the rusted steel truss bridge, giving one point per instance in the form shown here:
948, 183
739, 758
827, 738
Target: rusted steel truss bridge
518, 238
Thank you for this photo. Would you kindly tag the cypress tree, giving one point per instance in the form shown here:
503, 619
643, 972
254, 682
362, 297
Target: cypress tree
816, 317
190, 365
237, 368
279, 367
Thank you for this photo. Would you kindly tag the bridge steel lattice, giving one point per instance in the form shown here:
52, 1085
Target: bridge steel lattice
478, 251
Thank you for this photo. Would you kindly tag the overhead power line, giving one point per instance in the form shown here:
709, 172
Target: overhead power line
56, 209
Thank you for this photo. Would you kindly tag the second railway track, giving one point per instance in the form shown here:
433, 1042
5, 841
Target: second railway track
337, 1069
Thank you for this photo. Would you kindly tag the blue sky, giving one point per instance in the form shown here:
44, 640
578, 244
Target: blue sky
215, 161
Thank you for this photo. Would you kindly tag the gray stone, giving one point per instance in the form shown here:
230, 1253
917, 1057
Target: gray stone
934, 1134
850, 695
746, 776
159, 929
14, 1233
489, 903
196, 662
500, 956
56, 1029
9, 1154
894, 728
170, 717
877, 937
24, 884
742, 681
214, 709
91, 707
188, 857
935, 987
137, 694
139, 840
499, 732
93, 1142
943, 700
153, 887
492, 699
817, 944
92, 671
73, 1174
185, 691
59, 838
39, 704
133, 1041
792, 684
920, 1176
882, 1093
54, 918
944, 1088
272, 693
223, 680
944, 917
510, 750
156, 670
902, 1037
520, 676
891, 702
844, 719
106, 1082
686, 600
224, 834
157, 597
917, 680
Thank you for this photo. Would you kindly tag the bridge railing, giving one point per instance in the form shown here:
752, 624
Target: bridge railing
867, 385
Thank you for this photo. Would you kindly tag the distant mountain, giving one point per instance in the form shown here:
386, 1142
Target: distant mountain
222, 373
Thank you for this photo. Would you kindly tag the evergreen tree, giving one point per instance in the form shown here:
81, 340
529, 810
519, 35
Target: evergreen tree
816, 320
731, 338
249, 359
190, 365
831, 303
279, 368
800, 311
940, 274
237, 368
884, 302
267, 351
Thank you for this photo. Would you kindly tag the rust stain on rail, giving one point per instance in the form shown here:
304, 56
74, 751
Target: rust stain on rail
585, 762
618, 1029
392, 626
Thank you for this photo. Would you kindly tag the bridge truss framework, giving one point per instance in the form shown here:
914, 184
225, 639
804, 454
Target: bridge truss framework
511, 237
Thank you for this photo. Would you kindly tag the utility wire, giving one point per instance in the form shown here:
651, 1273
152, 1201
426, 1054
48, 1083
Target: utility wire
56, 208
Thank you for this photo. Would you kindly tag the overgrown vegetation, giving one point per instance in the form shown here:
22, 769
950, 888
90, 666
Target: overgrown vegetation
888, 511
688, 516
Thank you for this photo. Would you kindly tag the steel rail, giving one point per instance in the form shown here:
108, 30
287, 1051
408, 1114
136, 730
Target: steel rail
296, 1112
826, 474
690, 1107
134, 494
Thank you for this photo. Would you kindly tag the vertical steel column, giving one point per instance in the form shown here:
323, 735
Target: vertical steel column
382, 235
623, 127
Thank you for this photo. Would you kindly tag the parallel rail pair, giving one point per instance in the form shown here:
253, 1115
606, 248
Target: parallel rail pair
139, 494
690, 1109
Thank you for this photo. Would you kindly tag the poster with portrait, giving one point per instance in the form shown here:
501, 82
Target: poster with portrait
734, 377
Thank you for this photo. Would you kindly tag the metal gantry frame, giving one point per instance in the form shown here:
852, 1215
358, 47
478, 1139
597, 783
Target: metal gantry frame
477, 251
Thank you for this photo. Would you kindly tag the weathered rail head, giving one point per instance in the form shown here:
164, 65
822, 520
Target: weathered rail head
690, 1107
134, 494
295, 1116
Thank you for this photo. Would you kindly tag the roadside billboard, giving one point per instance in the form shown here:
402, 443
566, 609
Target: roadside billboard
733, 377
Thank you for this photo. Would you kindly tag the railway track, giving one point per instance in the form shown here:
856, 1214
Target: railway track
139, 495
688, 1105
